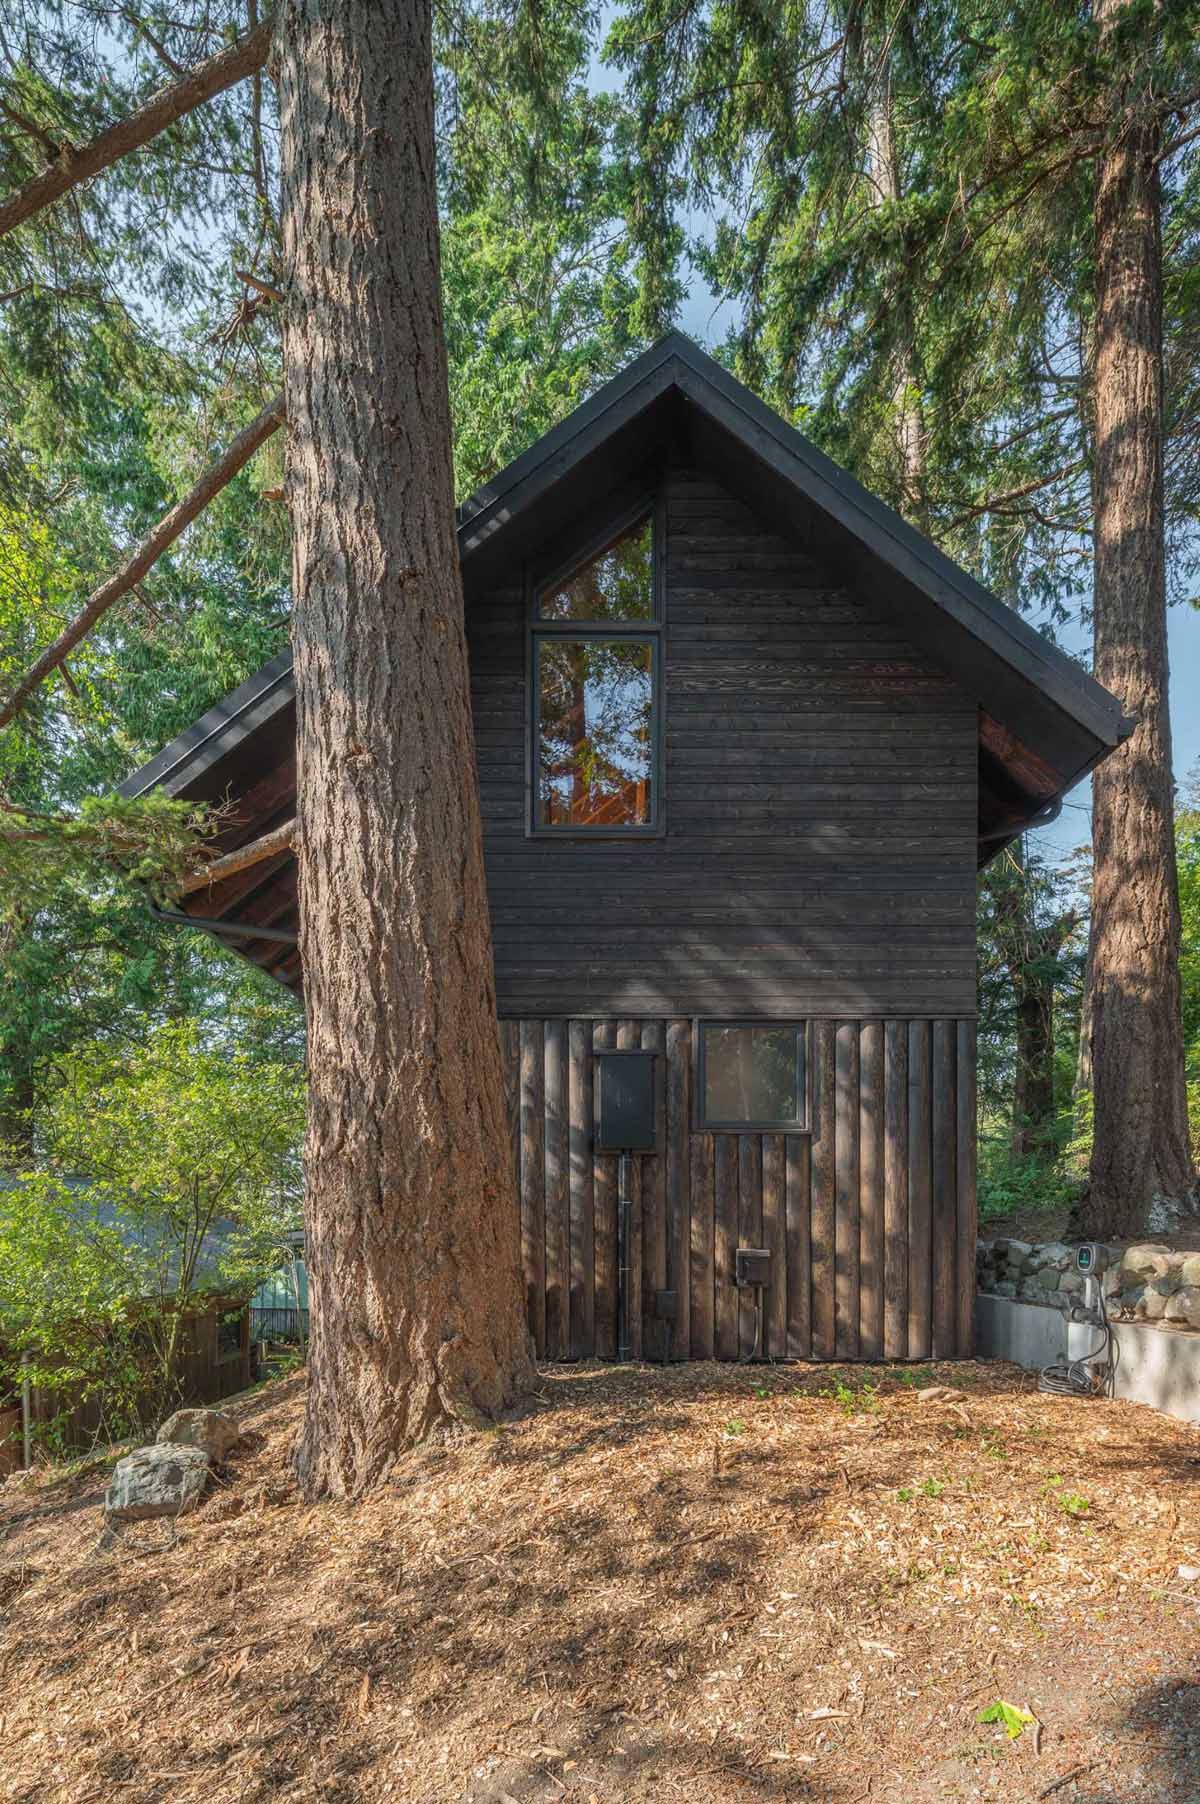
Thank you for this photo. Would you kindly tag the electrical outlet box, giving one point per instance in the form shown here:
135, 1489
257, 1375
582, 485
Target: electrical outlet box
664, 1305
752, 1265
625, 1113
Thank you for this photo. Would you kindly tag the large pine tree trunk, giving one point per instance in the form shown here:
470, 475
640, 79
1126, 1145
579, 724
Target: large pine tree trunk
412, 1224
1141, 1149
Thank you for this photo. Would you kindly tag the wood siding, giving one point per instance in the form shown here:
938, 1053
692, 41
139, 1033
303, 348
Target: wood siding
820, 807
870, 1220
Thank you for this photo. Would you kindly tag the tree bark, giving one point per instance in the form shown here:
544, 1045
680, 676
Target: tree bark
161, 536
1140, 1151
75, 164
412, 1241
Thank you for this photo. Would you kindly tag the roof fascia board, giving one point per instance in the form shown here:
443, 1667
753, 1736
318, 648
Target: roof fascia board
251, 706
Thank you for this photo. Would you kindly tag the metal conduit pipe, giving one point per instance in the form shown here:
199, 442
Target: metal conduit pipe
1045, 817
237, 929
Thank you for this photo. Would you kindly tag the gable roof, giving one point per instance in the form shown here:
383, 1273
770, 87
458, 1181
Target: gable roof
1044, 722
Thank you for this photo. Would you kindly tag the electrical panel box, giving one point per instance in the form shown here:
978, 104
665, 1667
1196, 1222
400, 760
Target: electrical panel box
625, 1113
752, 1265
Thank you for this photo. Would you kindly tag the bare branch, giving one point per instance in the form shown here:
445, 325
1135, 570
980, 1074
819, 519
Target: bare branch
257, 283
278, 840
148, 552
72, 166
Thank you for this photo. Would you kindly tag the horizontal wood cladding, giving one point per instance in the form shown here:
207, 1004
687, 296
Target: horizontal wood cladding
820, 797
870, 1219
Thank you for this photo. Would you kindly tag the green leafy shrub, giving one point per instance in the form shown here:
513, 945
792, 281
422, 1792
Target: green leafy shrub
168, 1170
1014, 1186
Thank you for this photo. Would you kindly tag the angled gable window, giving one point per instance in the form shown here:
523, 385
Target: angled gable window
595, 681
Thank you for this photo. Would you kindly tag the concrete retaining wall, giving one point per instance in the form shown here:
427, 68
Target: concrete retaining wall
1158, 1366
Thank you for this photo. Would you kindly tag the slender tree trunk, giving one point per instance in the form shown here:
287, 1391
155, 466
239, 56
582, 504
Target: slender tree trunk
1083, 1059
17, 1099
412, 1224
1033, 1081
1140, 1150
883, 165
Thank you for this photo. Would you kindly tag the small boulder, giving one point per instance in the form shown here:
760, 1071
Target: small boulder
1146, 1260
162, 1480
1005, 1288
1047, 1278
1055, 1253
1069, 1283
1189, 1271
210, 1429
1184, 1306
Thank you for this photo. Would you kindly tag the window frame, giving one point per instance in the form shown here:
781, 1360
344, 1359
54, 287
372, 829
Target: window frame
652, 631
802, 1028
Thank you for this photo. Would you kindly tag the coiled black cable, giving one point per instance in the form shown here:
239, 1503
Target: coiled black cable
1075, 1377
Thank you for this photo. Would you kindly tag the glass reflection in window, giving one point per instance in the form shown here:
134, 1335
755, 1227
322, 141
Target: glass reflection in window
595, 707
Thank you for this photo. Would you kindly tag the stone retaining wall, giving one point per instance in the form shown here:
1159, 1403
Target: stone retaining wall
1145, 1283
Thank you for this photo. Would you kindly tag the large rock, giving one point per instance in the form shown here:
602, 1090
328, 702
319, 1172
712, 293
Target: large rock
1146, 1261
211, 1429
162, 1480
1011, 1252
1189, 1270
1052, 1252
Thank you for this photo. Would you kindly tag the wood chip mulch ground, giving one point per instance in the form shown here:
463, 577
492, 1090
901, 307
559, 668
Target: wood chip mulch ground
706, 1583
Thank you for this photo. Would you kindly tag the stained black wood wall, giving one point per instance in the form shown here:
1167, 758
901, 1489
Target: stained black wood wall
870, 1220
821, 805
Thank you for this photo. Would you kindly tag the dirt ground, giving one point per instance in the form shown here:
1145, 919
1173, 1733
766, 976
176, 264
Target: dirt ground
708, 1583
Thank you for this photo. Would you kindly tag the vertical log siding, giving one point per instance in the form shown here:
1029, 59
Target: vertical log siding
870, 1219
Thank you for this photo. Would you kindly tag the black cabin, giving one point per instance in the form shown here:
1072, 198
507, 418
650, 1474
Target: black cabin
744, 738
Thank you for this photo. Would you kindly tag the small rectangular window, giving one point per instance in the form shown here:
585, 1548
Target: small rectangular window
752, 1075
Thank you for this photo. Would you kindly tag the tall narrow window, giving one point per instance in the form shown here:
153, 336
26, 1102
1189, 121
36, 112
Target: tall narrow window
594, 690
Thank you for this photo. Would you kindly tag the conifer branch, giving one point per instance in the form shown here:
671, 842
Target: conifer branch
74, 165
148, 552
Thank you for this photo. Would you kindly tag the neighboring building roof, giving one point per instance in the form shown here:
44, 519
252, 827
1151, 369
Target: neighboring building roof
1044, 722
102, 1212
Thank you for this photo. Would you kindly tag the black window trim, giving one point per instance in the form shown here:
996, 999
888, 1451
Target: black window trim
649, 506
802, 1026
